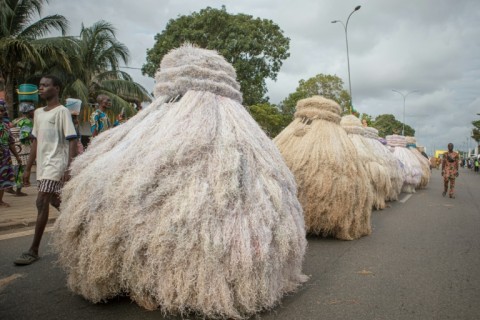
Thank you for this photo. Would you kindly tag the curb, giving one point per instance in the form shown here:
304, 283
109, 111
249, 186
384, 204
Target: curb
25, 224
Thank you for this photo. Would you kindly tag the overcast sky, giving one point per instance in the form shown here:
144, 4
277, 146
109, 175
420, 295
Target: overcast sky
432, 46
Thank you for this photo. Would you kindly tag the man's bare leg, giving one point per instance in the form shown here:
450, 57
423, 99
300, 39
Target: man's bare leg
43, 203
445, 187
19, 193
3, 204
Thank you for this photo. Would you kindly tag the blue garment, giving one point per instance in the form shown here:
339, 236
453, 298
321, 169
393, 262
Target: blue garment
99, 121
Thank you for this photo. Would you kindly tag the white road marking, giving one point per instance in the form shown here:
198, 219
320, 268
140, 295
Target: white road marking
22, 233
5, 281
406, 198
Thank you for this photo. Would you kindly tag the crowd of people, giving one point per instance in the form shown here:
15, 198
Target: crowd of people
472, 163
17, 138
49, 138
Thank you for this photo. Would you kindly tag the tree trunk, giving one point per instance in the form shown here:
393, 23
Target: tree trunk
9, 96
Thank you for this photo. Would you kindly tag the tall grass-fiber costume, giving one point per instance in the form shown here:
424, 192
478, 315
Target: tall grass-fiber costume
424, 163
385, 156
377, 172
411, 166
333, 186
188, 206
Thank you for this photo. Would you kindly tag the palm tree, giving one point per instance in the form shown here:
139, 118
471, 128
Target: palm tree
96, 70
23, 49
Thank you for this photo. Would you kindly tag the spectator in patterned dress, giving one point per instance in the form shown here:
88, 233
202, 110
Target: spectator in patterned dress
22, 134
7, 146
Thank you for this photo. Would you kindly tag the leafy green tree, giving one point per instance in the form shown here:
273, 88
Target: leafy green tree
95, 64
255, 47
367, 117
476, 131
23, 49
386, 124
269, 117
329, 86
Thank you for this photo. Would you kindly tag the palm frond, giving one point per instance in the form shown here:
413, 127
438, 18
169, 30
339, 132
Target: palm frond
44, 26
128, 90
114, 75
6, 12
54, 53
77, 89
115, 52
101, 27
23, 13
20, 50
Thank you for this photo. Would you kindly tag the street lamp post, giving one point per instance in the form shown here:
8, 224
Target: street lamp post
465, 150
404, 97
345, 26
468, 146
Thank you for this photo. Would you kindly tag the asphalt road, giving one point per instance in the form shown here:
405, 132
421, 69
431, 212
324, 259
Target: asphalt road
422, 261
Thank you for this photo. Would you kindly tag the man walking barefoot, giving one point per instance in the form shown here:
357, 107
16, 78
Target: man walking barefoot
450, 163
54, 148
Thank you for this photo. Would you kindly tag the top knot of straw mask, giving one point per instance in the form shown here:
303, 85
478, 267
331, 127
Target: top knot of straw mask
352, 125
190, 68
371, 133
395, 140
318, 107
410, 140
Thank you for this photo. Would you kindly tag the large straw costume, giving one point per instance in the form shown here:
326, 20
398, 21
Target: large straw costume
424, 163
385, 156
413, 172
377, 172
333, 186
188, 206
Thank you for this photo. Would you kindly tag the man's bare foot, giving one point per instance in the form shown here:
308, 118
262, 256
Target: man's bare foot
10, 190
4, 204
20, 194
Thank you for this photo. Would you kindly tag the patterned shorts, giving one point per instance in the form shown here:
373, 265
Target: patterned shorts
50, 186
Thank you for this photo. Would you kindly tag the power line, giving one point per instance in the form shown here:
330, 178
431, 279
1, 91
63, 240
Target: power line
125, 67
